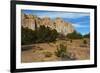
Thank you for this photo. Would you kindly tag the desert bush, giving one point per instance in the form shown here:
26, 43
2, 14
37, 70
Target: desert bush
34, 51
47, 54
27, 36
71, 41
86, 35
40, 35
84, 42
61, 51
74, 35
45, 34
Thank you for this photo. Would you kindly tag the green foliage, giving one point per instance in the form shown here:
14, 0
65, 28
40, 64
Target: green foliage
87, 35
45, 34
74, 35
27, 36
40, 35
61, 51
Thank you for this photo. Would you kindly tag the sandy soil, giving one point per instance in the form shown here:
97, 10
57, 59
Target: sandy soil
37, 53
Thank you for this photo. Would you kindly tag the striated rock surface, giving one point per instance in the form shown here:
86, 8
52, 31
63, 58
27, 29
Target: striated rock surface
32, 21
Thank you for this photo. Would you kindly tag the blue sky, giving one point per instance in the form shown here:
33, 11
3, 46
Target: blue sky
80, 20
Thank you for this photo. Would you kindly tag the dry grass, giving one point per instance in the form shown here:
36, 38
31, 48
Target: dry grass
46, 51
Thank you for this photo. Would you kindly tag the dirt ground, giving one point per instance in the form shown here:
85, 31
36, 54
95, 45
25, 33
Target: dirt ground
39, 52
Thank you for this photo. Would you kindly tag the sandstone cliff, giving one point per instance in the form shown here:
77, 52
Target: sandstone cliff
32, 21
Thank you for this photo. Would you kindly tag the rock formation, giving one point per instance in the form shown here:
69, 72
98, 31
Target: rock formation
59, 24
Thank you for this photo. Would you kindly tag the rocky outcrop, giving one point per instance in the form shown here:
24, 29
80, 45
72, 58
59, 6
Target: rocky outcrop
59, 24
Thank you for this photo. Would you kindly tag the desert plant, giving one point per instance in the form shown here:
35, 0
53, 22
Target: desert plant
71, 41
86, 35
34, 51
84, 42
61, 51
27, 36
48, 54
40, 35
74, 35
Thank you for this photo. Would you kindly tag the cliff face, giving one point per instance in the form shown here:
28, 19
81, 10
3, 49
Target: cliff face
31, 22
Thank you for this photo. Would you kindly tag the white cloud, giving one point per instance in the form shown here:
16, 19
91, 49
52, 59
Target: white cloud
80, 26
62, 14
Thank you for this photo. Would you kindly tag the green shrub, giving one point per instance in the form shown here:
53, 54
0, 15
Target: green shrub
86, 35
74, 35
61, 51
64, 54
27, 36
40, 35
45, 34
